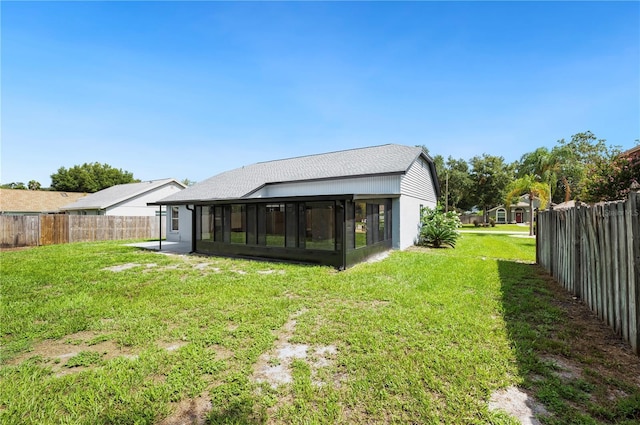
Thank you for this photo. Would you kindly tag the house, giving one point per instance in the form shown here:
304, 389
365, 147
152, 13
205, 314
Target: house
632, 153
335, 208
129, 199
516, 213
34, 202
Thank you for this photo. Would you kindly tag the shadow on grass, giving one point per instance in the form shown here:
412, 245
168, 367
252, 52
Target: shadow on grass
569, 361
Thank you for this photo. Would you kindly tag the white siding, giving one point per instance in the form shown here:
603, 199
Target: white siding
184, 232
409, 220
359, 186
138, 206
417, 189
417, 182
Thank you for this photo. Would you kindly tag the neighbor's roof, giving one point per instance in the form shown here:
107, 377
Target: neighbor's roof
116, 194
35, 201
242, 182
632, 152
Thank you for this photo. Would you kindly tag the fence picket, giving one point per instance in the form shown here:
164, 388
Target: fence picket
594, 252
20, 231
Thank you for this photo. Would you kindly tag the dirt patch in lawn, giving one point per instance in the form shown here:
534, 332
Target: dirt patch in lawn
192, 411
57, 353
274, 367
518, 404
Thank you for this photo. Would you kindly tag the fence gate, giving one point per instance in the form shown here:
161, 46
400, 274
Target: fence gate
54, 229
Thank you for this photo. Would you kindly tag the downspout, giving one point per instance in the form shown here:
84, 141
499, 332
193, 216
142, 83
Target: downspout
193, 227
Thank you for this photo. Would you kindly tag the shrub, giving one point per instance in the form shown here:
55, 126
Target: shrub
492, 222
438, 228
476, 223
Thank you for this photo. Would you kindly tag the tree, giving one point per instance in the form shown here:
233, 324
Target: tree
34, 185
89, 178
455, 182
571, 160
188, 182
489, 178
611, 179
528, 185
14, 185
460, 183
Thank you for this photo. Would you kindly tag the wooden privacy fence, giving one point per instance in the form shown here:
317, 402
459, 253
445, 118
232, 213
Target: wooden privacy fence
594, 252
20, 231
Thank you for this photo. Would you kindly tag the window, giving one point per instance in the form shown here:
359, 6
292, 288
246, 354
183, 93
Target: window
275, 225
320, 225
218, 234
501, 215
238, 224
361, 224
175, 221
381, 223
206, 223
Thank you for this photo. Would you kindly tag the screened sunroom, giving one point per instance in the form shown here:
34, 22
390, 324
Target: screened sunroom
331, 230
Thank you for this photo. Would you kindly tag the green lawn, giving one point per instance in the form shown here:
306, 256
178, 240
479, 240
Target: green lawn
498, 227
425, 336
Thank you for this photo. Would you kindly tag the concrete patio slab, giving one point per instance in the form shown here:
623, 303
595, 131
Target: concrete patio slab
167, 247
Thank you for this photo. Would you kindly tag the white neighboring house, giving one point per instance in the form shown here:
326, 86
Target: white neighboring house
131, 199
336, 208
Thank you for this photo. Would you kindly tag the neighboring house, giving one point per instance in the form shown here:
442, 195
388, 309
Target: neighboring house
129, 199
34, 202
516, 213
632, 153
335, 208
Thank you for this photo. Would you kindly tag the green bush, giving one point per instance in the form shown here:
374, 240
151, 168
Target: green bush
438, 228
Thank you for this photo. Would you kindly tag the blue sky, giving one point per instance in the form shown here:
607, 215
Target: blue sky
191, 89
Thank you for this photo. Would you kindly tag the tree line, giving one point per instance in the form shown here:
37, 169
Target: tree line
88, 178
583, 168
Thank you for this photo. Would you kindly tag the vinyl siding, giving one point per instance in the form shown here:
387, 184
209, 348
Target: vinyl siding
137, 206
358, 186
417, 182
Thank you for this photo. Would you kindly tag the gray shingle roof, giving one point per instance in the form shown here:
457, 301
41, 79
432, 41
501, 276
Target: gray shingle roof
116, 194
241, 182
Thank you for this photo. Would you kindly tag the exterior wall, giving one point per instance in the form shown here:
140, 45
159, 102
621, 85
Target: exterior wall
184, 232
361, 185
417, 182
409, 221
417, 190
138, 206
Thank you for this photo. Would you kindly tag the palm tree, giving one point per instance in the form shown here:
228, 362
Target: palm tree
528, 185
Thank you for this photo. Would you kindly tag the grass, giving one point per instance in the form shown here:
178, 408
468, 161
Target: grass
498, 227
425, 336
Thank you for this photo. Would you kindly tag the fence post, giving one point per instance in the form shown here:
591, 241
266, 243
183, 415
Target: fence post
577, 260
552, 240
537, 237
634, 201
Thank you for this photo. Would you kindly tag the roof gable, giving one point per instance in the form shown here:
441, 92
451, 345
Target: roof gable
117, 194
242, 182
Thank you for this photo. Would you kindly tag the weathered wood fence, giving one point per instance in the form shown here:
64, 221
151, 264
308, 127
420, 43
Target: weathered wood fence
594, 252
21, 231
